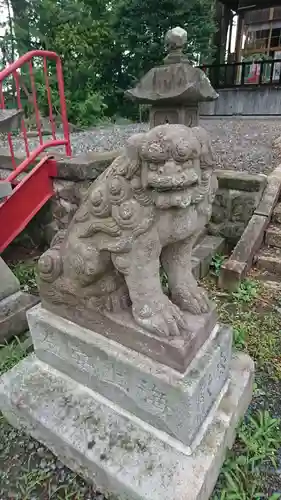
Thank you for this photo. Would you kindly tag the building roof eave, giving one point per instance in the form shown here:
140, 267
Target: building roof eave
242, 5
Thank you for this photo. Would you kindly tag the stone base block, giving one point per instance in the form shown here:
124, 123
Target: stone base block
113, 448
176, 352
9, 283
178, 404
13, 314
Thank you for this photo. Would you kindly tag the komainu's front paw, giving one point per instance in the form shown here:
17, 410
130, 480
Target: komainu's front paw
161, 317
192, 299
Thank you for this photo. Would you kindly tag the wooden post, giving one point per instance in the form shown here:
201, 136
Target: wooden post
271, 15
238, 47
239, 37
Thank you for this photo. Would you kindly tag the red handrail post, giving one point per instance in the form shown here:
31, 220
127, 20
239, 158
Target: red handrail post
63, 106
12, 69
34, 96
49, 97
23, 128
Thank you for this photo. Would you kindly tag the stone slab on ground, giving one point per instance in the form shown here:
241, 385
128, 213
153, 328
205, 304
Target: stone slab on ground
111, 447
5, 189
236, 267
175, 403
273, 236
9, 283
13, 310
240, 181
276, 215
269, 259
206, 250
270, 196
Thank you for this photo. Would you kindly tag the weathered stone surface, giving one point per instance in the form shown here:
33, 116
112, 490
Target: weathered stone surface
243, 205
179, 83
119, 453
195, 266
234, 206
70, 191
85, 167
13, 310
81, 190
205, 251
250, 240
175, 88
50, 231
242, 256
175, 41
221, 209
231, 274
172, 402
6, 160
161, 114
238, 196
174, 351
9, 283
270, 197
60, 208
65, 189
276, 215
111, 253
5, 189
10, 119
269, 259
273, 236
241, 181
231, 231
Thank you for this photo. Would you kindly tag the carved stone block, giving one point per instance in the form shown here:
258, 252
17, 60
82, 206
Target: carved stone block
175, 403
110, 447
176, 352
186, 115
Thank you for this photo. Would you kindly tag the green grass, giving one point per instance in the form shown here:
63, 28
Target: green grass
256, 327
256, 324
13, 352
257, 443
26, 274
216, 264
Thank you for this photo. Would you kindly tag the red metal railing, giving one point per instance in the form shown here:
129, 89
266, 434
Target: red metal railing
36, 188
14, 71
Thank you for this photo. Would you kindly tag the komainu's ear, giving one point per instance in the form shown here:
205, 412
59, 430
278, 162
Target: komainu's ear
206, 146
132, 151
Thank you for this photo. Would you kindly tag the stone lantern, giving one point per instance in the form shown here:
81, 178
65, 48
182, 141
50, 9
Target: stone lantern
174, 89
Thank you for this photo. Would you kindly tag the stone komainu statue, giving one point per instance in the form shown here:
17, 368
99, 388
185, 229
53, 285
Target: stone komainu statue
147, 208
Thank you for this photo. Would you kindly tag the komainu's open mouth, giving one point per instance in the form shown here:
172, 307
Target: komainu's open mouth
173, 183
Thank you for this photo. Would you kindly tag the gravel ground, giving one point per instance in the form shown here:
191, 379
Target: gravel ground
240, 144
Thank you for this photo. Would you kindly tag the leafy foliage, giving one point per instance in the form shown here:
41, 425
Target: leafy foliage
246, 292
216, 264
257, 443
105, 46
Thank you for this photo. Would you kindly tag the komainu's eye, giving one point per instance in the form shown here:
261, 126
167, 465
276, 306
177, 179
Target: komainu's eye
182, 151
154, 151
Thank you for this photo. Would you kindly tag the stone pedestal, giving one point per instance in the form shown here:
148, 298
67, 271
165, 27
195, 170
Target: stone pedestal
135, 427
13, 304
